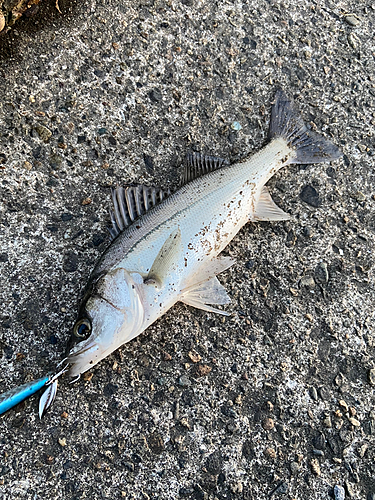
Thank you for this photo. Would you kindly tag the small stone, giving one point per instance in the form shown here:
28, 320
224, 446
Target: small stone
352, 19
327, 422
155, 95
270, 453
194, 356
155, 443
86, 201
310, 196
202, 370
2, 22
294, 467
318, 453
43, 132
184, 381
349, 489
362, 450
307, 282
321, 273
64, 414
70, 262
353, 41
27, 165
237, 488
359, 196
313, 393
354, 422
352, 411
281, 489
269, 406
315, 466
268, 424
343, 405
62, 442
339, 492
4, 257
236, 126
371, 376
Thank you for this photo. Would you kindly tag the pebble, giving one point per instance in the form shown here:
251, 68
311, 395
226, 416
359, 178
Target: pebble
70, 263
315, 467
313, 393
294, 467
307, 282
339, 492
62, 442
194, 356
236, 126
155, 95
353, 41
352, 20
354, 422
202, 370
43, 132
268, 424
184, 381
310, 196
270, 453
281, 489
2, 22
327, 422
321, 273
371, 376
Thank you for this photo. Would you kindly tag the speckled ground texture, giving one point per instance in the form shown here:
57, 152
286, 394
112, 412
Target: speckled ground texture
276, 401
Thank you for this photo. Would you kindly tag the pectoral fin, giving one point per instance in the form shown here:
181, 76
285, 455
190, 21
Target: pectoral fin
167, 258
267, 210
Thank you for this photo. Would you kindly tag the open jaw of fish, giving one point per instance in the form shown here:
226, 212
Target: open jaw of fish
166, 247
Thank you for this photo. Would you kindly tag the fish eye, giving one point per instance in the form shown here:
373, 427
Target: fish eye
82, 328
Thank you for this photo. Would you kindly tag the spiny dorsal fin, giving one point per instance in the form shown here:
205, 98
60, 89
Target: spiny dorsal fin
198, 165
130, 202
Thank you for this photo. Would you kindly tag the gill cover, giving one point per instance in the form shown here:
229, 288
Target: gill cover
116, 312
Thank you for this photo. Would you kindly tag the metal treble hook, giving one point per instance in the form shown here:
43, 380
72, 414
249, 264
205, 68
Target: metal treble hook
48, 396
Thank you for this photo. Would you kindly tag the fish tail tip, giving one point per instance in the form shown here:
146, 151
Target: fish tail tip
286, 122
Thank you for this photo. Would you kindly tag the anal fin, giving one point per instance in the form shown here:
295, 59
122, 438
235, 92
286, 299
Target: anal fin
267, 210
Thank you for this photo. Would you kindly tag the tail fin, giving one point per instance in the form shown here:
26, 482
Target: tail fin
287, 123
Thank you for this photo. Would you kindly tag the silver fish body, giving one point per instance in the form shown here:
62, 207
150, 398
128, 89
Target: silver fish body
170, 252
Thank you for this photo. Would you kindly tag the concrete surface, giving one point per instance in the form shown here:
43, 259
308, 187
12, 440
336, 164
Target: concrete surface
275, 401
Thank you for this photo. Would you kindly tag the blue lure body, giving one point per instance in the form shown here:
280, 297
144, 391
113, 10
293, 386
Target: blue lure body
15, 396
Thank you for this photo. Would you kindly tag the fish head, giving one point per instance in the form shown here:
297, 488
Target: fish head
111, 314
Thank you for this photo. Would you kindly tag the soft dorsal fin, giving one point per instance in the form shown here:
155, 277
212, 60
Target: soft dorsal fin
267, 210
198, 165
130, 202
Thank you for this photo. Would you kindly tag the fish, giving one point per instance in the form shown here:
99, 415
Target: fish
166, 247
